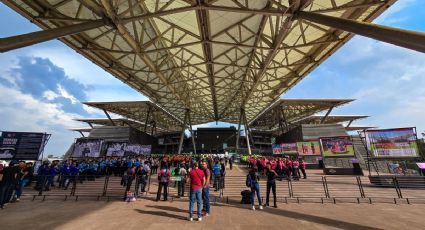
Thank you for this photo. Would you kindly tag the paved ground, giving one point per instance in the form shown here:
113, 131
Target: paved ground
147, 214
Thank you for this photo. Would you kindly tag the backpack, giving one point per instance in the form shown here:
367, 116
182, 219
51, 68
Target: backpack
249, 181
217, 169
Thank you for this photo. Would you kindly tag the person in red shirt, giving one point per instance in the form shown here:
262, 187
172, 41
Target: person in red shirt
197, 182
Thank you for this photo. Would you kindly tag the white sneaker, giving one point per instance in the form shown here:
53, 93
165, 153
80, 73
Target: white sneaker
260, 207
253, 208
199, 218
206, 214
190, 219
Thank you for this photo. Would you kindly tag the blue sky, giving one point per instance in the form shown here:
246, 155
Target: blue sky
41, 86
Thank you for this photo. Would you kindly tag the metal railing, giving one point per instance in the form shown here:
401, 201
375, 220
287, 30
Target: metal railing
77, 186
359, 189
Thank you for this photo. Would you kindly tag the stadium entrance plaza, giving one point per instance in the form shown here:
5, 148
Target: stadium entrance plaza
145, 213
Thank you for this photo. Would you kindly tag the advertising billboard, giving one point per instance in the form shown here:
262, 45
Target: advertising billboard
341, 146
119, 149
285, 148
115, 149
308, 148
22, 145
399, 142
85, 147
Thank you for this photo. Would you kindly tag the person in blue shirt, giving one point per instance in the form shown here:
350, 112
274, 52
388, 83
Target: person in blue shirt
129, 163
54, 171
74, 171
43, 173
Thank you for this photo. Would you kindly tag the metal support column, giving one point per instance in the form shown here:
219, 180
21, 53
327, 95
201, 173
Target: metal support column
153, 128
182, 134
405, 38
282, 111
238, 134
326, 116
147, 117
109, 117
19, 41
246, 133
349, 123
191, 132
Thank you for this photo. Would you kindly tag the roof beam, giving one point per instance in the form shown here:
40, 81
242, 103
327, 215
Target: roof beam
295, 6
257, 40
19, 41
136, 47
205, 31
405, 38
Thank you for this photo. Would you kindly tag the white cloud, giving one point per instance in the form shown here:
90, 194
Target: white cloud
65, 94
50, 95
21, 112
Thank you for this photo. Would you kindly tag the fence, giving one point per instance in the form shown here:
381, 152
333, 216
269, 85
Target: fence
83, 186
356, 189
330, 189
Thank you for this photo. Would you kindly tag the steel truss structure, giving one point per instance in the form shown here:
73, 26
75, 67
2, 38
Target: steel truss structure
142, 115
286, 113
212, 57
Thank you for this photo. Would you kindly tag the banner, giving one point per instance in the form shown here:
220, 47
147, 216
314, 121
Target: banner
337, 146
308, 148
132, 149
119, 149
87, 148
392, 142
145, 149
115, 149
285, 148
21, 145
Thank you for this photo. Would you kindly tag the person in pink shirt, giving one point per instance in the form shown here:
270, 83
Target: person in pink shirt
273, 163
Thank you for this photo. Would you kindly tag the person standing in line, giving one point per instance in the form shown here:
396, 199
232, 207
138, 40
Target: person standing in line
217, 175
197, 180
182, 184
206, 188
163, 180
222, 175
252, 180
271, 184
296, 169
302, 167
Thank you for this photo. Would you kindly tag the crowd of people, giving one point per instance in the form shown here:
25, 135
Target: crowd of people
66, 173
201, 173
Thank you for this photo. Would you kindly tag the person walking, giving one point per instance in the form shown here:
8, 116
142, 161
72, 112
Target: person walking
252, 182
7, 183
271, 184
197, 181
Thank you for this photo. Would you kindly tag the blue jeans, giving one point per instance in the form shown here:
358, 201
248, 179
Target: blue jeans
195, 194
206, 200
255, 189
20, 188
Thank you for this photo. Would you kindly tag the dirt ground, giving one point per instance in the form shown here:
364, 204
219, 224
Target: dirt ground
148, 214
